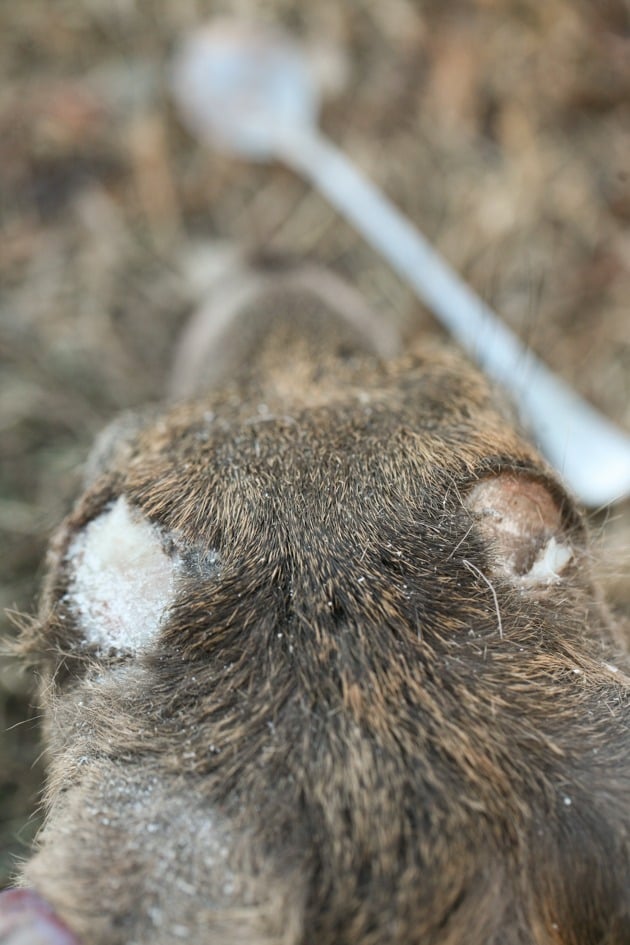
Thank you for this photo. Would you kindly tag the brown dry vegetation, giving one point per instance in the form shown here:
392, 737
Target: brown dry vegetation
502, 127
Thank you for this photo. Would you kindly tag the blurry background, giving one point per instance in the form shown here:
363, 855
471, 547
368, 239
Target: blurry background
502, 127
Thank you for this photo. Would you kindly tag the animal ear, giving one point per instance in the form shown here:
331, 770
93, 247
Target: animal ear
524, 526
122, 579
113, 445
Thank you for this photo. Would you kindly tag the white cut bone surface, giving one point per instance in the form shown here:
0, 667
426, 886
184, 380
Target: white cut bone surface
123, 581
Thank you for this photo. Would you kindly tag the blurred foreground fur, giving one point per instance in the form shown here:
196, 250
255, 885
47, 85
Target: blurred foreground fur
382, 701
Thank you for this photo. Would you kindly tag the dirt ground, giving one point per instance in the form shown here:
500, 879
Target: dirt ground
502, 127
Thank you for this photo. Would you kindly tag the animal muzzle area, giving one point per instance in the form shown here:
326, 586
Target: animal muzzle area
27, 919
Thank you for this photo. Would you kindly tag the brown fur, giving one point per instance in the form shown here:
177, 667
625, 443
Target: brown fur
332, 743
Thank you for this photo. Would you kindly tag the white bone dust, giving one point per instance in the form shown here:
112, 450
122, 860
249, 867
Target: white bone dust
123, 581
549, 564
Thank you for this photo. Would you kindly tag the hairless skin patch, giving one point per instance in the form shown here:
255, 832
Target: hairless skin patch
521, 524
123, 581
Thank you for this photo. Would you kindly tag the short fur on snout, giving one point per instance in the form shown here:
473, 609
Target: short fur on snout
375, 699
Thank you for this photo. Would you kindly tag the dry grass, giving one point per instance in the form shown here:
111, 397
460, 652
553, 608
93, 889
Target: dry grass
501, 126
